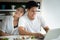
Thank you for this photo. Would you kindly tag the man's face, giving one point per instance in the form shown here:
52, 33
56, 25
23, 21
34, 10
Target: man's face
32, 12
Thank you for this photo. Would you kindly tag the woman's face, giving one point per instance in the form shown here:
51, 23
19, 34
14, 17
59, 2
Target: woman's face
19, 12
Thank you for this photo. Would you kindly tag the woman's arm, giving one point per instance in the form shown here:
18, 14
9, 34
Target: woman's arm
4, 26
3, 34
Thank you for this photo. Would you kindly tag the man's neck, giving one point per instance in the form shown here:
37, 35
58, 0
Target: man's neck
30, 17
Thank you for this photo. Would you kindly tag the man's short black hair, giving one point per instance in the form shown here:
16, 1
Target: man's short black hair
31, 4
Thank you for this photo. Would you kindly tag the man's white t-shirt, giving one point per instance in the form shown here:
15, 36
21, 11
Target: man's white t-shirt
33, 26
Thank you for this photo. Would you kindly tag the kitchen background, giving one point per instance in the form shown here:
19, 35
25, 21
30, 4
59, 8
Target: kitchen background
49, 9
8, 7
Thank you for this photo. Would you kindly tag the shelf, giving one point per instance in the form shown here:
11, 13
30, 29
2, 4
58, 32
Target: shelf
9, 10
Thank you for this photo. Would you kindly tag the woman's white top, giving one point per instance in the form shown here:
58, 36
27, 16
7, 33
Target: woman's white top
8, 27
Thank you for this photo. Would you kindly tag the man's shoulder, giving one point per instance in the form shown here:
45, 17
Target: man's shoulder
23, 18
39, 17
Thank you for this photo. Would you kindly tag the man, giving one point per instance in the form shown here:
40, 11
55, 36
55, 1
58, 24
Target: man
30, 23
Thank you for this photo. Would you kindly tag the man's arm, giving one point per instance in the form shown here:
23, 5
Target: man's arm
22, 31
46, 28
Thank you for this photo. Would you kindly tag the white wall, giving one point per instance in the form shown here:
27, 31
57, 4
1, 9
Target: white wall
50, 10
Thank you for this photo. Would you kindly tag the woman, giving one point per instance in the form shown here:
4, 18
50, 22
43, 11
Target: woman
10, 23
